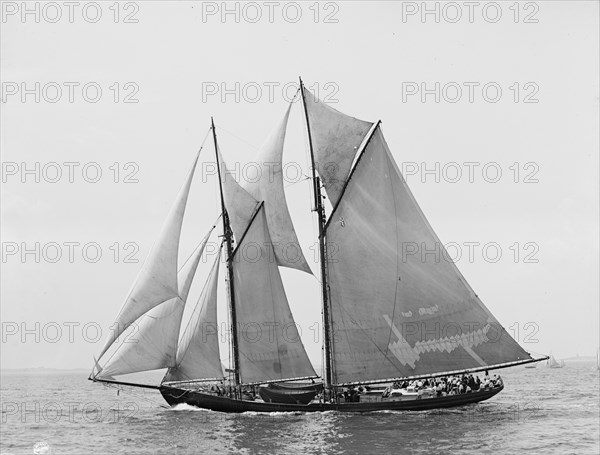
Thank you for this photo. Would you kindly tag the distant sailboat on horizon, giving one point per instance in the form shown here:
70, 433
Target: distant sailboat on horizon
397, 313
553, 363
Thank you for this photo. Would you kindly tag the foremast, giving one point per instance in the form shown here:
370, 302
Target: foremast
228, 236
329, 366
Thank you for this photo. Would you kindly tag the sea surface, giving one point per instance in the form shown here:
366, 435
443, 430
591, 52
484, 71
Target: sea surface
540, 411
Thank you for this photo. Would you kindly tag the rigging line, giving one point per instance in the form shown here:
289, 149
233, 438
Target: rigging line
306, 177
296, 94
205, 238
202, 294
204, 140
238, 137
130, 392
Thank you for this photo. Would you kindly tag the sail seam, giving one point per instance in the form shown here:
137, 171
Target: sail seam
397, 259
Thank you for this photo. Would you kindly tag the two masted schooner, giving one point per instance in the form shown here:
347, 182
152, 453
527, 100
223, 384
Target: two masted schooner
390, 312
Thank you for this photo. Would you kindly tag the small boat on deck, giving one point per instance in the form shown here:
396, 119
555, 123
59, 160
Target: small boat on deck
297, 386
289, 393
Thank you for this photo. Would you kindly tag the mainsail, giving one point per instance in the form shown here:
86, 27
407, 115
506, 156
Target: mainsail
269, 344
154, 345
198, 354
336, 138
157, 281
268, 187
400, 307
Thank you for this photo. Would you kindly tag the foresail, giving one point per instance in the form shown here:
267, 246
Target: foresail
399, 306
153, 345
157, 281
269, 344
336, 138
198, 352
268, 187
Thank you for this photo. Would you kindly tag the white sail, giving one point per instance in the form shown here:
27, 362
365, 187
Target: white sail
553, 363
336, 138
157, 281
198, 352
269, 344
268, 187
399, 306
240, 204
154, 344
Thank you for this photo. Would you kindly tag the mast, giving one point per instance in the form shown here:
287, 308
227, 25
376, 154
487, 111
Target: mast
318, 204
228, 234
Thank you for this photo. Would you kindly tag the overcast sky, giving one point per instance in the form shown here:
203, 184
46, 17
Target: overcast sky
518, 94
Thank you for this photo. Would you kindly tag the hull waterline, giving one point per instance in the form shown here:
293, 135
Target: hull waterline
175, 396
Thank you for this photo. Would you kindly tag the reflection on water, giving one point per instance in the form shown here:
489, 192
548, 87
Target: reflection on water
540, 410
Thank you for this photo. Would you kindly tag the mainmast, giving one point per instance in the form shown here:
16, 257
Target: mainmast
228, 235
320, 209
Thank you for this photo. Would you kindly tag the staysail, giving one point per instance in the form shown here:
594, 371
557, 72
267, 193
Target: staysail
198, 354
399, 305
336, 138
154, 344
268, 187
157, 281
269, 343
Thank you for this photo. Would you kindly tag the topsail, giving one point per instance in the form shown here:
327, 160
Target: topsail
336, 138
268, 187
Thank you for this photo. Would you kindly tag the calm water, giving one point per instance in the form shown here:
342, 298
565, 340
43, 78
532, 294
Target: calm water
540, 411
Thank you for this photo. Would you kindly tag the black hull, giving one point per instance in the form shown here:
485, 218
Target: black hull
175, 396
